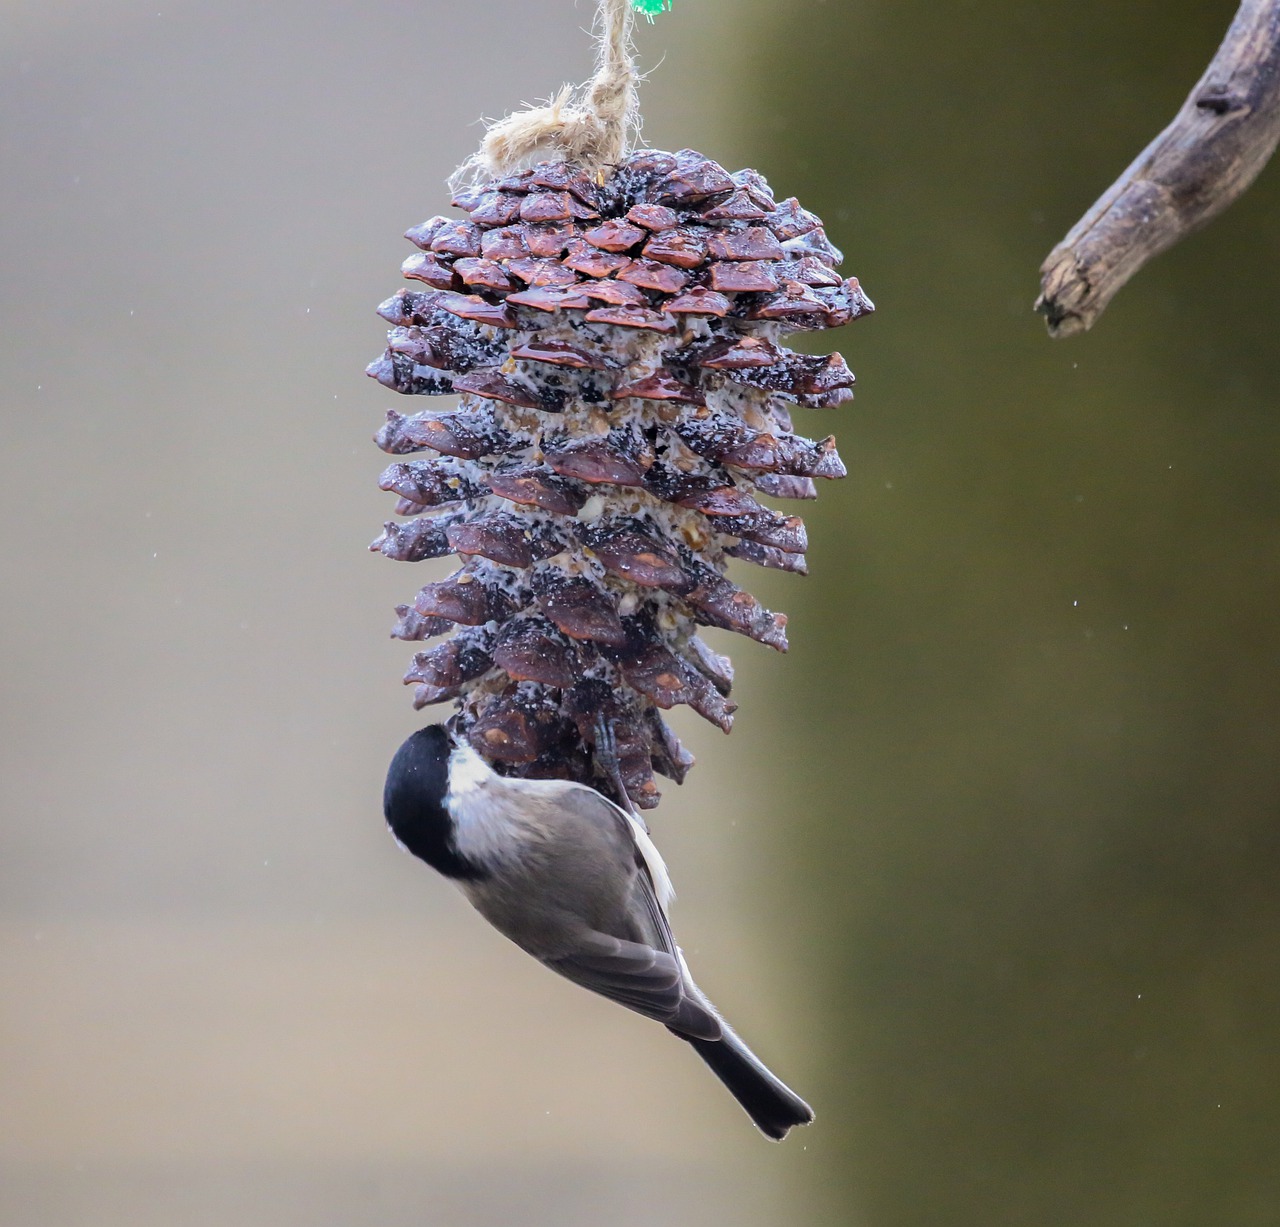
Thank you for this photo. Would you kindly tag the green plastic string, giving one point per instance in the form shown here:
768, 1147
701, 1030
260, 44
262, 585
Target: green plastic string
650, 8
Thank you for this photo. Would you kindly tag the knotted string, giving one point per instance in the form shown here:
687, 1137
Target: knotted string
593, 126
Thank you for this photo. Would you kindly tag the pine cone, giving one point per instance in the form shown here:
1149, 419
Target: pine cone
622, 398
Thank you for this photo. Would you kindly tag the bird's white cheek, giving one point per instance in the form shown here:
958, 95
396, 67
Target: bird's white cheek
485, 831
468, 773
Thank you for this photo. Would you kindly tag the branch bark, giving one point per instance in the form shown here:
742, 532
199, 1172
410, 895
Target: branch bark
1215, 147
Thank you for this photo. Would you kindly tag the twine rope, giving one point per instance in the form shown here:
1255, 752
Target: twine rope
593, 126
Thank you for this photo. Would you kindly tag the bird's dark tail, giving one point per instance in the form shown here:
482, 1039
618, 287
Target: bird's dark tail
771, 1104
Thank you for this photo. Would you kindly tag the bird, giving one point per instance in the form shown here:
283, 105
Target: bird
575, 881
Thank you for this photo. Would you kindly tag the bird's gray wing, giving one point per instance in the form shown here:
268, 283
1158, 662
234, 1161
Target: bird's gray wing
649, 981
627, 953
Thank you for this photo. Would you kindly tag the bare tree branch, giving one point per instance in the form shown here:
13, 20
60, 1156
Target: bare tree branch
1215, 147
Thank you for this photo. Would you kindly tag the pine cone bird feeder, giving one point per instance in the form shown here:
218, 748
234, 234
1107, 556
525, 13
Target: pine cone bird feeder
614, 345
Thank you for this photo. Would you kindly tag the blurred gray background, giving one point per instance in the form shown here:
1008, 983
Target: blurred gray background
990, 867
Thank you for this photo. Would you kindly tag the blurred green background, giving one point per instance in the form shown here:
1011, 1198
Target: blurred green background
990, 868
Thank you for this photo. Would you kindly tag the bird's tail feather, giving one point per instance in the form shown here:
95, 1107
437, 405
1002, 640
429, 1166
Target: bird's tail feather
772, 1105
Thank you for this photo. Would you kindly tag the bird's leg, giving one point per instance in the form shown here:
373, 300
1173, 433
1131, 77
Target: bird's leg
606, 755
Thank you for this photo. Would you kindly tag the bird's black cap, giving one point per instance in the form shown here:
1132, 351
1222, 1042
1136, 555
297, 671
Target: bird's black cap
413, 801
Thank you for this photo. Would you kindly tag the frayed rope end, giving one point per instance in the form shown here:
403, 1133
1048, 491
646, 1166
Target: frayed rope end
593, 127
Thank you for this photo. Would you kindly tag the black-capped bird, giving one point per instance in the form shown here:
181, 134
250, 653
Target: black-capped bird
574, 880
